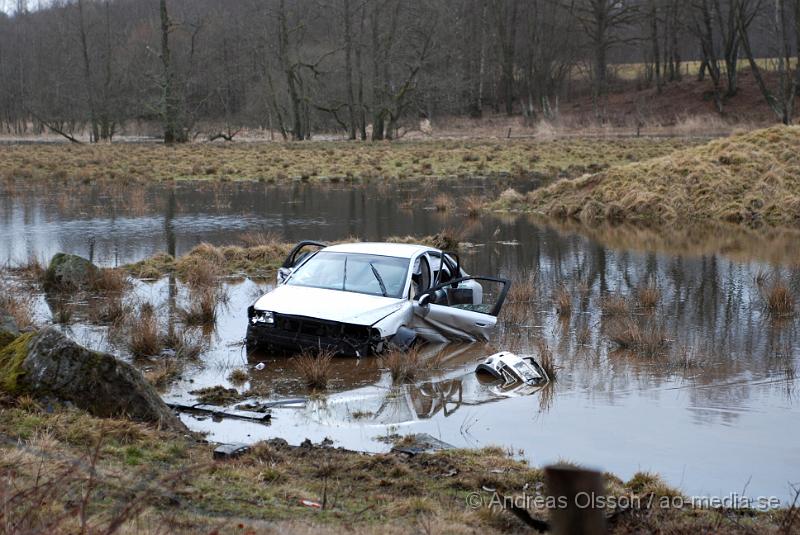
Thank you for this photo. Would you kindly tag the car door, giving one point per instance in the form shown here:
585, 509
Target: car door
464, 308
297, 256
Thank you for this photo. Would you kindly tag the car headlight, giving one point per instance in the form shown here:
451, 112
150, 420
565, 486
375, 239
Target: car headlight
262, 317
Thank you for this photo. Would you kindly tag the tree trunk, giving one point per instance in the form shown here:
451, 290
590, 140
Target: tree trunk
656, 49
87, 74
348, 55
378, 106
362, 113
170, 111
289, 69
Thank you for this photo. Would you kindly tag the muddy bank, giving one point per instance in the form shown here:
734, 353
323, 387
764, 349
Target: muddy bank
169, 481
748, 179
325, 161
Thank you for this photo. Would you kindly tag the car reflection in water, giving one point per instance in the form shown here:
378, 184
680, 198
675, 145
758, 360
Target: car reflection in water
453, 385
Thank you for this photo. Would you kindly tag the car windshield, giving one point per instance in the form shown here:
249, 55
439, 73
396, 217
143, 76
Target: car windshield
351, 272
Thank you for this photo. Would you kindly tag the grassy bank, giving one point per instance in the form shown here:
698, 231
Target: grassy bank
749, 178
65, 469
331, 161
261, 256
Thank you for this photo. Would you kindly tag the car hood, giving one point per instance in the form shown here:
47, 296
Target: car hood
332, 305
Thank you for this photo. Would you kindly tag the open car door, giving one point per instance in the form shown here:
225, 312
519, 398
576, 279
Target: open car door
465, 309
296, 256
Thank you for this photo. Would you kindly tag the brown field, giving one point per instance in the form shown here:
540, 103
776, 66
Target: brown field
323, 161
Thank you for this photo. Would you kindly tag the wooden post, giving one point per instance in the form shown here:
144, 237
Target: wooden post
576, 490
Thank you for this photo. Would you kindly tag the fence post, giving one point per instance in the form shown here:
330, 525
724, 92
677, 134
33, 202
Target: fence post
576, 490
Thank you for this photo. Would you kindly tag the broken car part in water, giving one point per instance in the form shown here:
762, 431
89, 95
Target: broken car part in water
362, 298
512, 370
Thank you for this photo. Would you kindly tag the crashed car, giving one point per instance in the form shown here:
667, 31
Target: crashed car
361, 298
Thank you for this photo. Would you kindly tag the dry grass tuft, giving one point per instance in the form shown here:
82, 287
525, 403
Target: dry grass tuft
110, 311
563, 300
648, 296
31, 269
523, 288
238, 376
442, 202
19, 307
187, 346
779, 300
144, 339
314, 367
163, 372
402, 365
648, 340
109, 280
202, 274
473, 205
614, 305
202, 307
546, 360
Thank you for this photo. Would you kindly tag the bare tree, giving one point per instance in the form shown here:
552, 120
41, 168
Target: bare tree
506, 20
782, 25
605, 23
171, 105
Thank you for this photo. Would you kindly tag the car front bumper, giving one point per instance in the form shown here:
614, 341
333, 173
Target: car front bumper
298, 333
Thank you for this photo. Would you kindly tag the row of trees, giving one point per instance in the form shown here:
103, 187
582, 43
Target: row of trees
361, 66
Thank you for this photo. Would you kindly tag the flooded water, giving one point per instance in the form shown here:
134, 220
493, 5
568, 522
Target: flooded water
716, 411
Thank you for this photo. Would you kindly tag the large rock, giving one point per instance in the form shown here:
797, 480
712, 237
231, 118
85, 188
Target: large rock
47, 364
8, 328
69, 271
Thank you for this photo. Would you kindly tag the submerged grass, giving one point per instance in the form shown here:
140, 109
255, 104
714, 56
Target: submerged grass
563, 301
314, 367
779, 300
646, 340
202, 306
748, 178
144, 337
403, 365
547, 360
19, 307
648, 296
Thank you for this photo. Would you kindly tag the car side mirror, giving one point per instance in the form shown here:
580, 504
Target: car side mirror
425, 300
283, 274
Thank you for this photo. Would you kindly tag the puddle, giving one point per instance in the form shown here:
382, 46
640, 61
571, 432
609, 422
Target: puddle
716, 412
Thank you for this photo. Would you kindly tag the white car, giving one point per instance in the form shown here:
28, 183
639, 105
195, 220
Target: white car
360, 298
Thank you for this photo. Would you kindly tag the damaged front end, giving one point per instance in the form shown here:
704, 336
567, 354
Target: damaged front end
297, 333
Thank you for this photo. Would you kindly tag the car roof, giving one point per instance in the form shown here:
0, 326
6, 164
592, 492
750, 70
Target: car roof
398, 250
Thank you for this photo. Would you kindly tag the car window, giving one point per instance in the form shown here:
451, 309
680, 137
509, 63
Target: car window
360, 273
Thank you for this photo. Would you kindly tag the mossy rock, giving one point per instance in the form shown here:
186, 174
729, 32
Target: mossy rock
11, 358
8, 329
69, 272
47, 364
